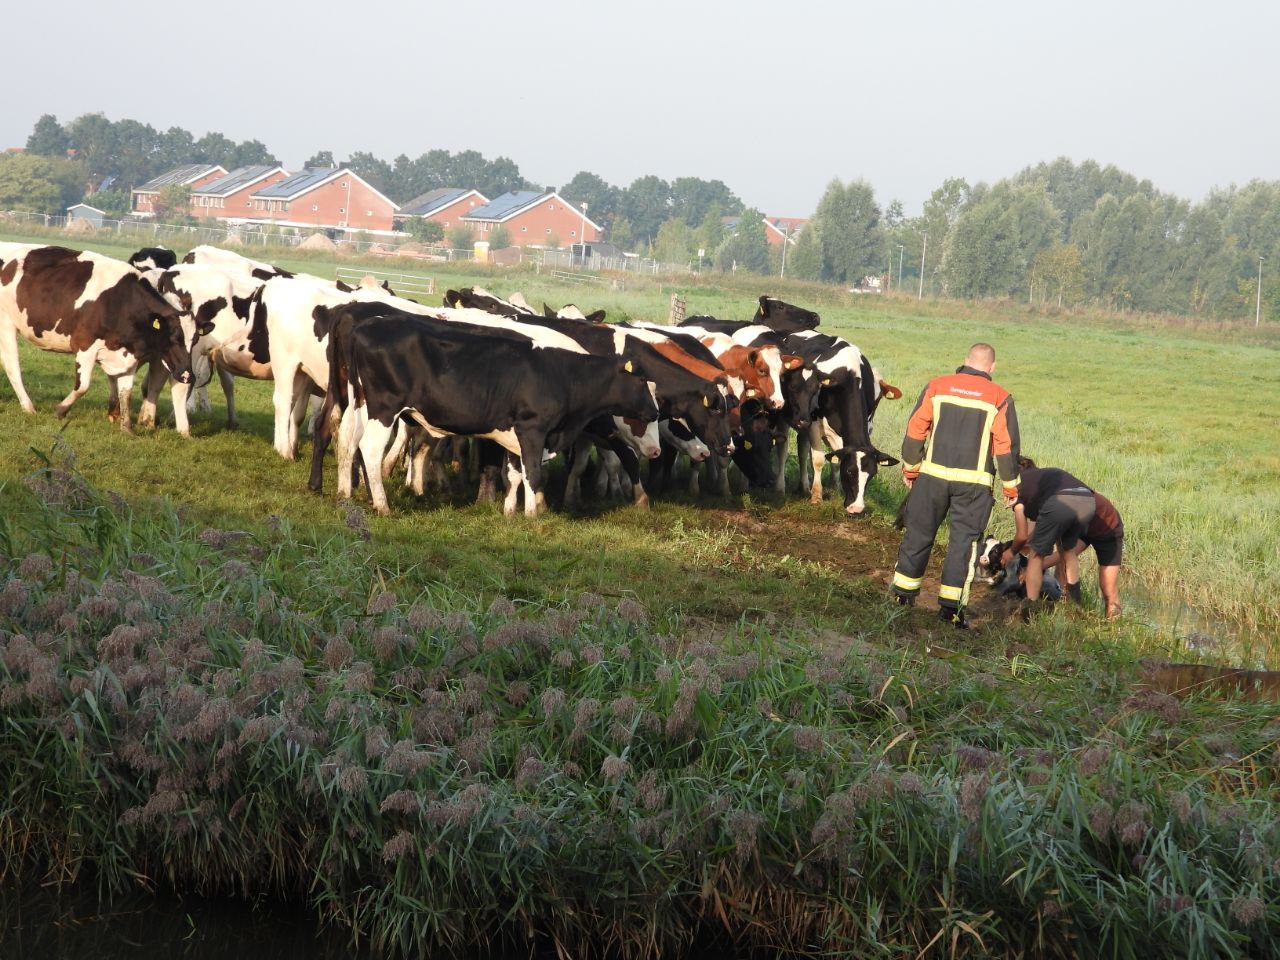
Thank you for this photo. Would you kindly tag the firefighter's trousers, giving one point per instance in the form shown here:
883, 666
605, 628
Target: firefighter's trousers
931, 499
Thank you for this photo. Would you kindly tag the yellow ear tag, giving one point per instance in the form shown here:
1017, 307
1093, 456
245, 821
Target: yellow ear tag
746, 444
156, 324
629, 367
706, 402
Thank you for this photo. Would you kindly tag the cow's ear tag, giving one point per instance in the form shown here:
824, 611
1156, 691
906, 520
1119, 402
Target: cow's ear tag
156, 324
706, 402
746, 444
826, 381
629, 367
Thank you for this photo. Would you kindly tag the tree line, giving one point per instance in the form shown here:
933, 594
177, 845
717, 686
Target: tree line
1061, 231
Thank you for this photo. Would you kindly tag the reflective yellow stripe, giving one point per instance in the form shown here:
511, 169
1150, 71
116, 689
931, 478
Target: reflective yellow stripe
902, 581
968, 580
1016, 481
951, 593
956, 473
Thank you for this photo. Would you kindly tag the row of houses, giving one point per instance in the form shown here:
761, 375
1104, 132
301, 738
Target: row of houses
337, 198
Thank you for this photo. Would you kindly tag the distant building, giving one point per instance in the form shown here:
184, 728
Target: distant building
445, 205
334, 198
533, 218
90, 215
776, 229
230, 196
194, 175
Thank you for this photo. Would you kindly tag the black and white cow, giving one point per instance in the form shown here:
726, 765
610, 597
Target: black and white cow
244, 267
98, 309
531, 401
153, 258
217, 300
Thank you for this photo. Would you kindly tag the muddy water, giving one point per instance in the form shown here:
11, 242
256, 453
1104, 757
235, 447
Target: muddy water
36, 922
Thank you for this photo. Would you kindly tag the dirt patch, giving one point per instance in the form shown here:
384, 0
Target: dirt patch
854, 549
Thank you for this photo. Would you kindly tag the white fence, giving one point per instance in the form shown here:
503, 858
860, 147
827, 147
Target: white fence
406, 284
567, 260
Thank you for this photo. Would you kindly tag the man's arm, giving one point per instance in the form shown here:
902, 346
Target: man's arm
1021, 536
1005, 445
918, 426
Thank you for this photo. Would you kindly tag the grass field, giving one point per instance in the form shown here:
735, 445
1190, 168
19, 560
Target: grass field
1174, 423
630, 732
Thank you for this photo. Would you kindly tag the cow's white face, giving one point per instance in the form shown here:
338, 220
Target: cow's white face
863, 476
640, 436
771, 359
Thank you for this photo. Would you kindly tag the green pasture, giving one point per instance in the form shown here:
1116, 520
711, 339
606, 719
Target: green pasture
1174, 422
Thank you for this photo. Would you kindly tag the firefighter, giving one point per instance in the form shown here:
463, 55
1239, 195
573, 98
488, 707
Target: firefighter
962, 433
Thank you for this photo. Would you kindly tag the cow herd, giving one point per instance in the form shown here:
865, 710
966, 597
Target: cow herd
482, 381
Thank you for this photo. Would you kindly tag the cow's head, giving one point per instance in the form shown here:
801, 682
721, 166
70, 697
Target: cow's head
709, 416
766, 365
641, 436
635, 394
162, 331
785, 317
857, 466
800, 388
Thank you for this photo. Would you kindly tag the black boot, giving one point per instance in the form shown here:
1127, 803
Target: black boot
1073, 591
954, 616
904, 599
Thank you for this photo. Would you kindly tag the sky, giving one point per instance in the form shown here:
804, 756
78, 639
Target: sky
775, 98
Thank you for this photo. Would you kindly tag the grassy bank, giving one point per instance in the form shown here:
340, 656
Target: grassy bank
260, 712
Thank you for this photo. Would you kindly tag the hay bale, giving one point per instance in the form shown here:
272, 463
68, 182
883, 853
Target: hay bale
318, 241
79, 226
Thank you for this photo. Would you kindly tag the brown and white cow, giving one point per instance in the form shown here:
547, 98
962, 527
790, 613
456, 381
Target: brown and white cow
98, 309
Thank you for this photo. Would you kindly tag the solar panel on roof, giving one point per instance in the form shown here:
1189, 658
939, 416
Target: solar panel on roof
183, 174
504, 205
432, 200
300, 181
237, 179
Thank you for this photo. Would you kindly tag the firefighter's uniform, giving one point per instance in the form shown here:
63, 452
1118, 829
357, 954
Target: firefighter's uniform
962, 433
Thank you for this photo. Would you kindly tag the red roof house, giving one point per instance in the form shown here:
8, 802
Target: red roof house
193, 175
533, 219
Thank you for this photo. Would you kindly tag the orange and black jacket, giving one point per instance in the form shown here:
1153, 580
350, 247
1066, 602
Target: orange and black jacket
963, 428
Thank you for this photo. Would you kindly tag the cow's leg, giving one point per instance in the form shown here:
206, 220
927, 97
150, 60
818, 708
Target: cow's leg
282, 402
722, 476
313, 407
802, 460
124, 384
531, 446
817, 458
611, 465
630, 462
85, 360
373, 445
399, 440
229, 391
780, 462
515, 478
301, 405
349, 433
579, 458
9, 356
418, 461
695, 476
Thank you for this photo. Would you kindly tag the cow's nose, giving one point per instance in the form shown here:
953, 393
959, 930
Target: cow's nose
654, 455
186, 376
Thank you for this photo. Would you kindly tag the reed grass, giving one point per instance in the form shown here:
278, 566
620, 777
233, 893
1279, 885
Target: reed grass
258, 712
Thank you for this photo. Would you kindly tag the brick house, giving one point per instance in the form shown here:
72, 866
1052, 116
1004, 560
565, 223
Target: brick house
445, 205
229, 196
532, 218
142, 200
333, 198
777, 229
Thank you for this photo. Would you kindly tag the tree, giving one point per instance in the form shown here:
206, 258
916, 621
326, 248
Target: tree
804, 259
600, 197
620, 233
321, 158
674, 242
647, 204
710, 233
1057, 272
114, 203
376, 172
692, 197
424, 230
500, 238
997, 236
48, 138
461, 238
40, 184
746, 247
552, 242
174, 201
848, 221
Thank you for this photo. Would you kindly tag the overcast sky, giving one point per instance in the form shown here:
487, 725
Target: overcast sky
773, 98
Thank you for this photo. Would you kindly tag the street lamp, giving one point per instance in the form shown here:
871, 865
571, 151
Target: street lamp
899, 265
923, 248
786, 232
1257, 316
583, 239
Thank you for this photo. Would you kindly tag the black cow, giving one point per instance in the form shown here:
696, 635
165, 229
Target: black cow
99, 309
452, 382
784, 317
